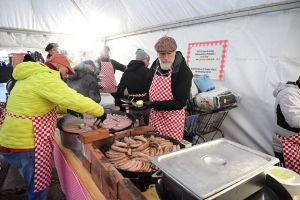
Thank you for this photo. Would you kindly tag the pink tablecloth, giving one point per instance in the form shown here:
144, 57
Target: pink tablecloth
69, 182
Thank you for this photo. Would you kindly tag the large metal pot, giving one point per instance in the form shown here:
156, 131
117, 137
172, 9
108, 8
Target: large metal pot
70, 139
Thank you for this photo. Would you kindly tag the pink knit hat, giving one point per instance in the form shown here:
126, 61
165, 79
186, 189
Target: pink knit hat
165, 44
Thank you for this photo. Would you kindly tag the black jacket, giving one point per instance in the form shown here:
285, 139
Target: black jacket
85, 83
134, 79
181, 81
115, 64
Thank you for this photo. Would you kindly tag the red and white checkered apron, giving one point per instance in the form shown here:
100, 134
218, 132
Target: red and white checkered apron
44, 127
167, 122
108, 82
291, 151
141, 120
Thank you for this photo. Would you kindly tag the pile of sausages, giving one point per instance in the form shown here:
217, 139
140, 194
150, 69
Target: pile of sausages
133, 153
116, 122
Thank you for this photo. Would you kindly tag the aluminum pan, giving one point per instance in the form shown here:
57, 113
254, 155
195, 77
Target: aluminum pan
209, 168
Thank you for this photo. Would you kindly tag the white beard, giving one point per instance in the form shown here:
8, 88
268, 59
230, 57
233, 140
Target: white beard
166, 64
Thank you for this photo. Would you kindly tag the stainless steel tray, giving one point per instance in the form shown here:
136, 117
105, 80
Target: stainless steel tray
209, 168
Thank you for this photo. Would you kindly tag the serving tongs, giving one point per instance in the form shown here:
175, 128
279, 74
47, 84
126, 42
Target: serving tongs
129, 102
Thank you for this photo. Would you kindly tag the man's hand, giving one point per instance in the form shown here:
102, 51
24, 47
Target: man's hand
76, 114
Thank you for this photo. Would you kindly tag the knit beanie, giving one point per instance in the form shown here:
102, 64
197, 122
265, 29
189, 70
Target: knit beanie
165, 44
89, 62
141, 54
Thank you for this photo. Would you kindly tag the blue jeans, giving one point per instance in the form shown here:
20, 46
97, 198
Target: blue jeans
24, 162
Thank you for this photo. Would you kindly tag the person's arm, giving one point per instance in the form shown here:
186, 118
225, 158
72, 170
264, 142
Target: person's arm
94, 91
121, 87
58, 92
118, 66
290, 108
181, 93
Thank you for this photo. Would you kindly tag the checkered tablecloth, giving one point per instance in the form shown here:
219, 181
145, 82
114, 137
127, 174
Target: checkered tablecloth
69, 182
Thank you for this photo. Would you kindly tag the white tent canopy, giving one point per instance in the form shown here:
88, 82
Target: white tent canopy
263, 42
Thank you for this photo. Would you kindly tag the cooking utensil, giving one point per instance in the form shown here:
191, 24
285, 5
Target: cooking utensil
126, 105
271, 190
209, 168
130, 174
127, 101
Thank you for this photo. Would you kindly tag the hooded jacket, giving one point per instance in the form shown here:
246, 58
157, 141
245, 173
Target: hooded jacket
287, 108
85, 82
37, 91
181, 81
134, 79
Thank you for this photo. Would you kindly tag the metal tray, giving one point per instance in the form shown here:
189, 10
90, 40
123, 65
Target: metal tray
211, 167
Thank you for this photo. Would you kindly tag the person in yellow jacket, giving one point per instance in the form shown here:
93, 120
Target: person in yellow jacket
28, 121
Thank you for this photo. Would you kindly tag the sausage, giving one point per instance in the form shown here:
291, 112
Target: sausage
119, 149
132, 162
126, 139
178, 147
120, 144
141, 138
144, 155
174, 148
131, 141
144, 146
141, 159
116, 158
135, 145
129, 152
152, 152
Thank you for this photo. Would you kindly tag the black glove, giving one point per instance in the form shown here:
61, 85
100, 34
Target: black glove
76, 114
148, 104
102, 118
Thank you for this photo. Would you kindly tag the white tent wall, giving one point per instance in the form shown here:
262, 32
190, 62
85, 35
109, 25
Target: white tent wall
263, 50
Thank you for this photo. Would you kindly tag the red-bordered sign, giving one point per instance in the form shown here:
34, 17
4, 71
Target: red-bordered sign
207, 58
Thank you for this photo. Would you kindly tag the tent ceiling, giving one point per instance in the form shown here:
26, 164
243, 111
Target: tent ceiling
104, 18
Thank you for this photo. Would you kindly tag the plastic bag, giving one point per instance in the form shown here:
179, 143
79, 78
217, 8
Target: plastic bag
204, 83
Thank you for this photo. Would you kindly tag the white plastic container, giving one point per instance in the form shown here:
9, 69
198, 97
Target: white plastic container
107, 101
289, 179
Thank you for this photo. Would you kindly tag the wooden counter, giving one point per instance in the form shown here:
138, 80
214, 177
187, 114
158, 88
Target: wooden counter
85, 177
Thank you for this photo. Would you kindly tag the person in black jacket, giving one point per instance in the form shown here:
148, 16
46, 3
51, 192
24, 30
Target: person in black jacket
84, 81
135, 80
170, 81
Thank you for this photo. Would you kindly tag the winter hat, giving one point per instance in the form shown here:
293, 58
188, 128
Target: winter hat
89, 62
51, 46
141, 54
61, 59
165, 44
105, 48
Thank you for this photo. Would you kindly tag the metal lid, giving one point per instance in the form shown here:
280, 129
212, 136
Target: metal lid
208, 168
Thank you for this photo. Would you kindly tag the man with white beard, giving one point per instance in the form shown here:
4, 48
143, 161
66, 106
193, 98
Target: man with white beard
170, 82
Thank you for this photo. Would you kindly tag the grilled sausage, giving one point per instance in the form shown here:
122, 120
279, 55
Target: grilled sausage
119, 149
120, 144
144, 146
141, 138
